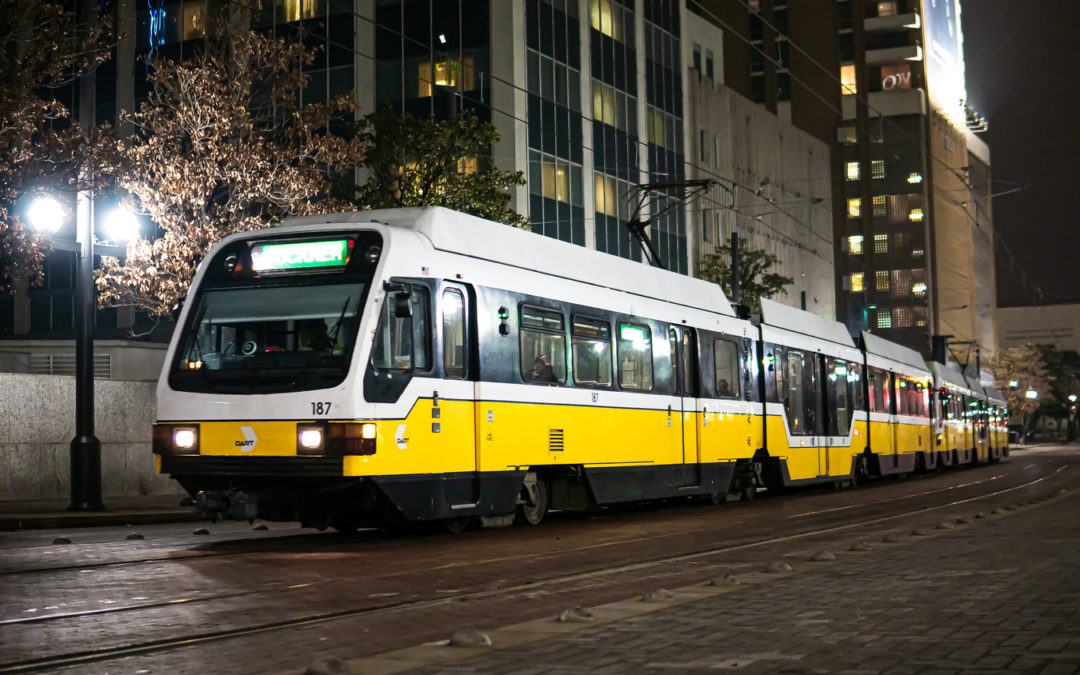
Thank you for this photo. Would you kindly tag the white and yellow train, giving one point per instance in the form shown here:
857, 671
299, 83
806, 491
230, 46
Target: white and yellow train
425, 365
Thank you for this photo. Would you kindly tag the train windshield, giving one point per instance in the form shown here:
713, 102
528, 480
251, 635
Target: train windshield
267, 339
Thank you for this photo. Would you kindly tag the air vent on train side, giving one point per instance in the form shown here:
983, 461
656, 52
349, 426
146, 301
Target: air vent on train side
555, 440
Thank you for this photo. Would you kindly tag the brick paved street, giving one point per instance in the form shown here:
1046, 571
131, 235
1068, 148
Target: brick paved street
1001, 594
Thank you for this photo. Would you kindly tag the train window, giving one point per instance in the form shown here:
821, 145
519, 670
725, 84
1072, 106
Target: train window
453, 333
774, 373
543, 345
591, 347
726, 358
879, 390
836, 389
855, 377
635, 357
801, 393
402, 343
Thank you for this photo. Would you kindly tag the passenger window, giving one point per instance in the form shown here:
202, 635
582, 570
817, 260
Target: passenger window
800, 396
543, 346
402, 343
726, 358
591, 347
453, 333
855, 377
837, 391
635, 357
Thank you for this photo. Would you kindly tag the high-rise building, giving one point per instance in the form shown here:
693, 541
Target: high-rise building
917, 240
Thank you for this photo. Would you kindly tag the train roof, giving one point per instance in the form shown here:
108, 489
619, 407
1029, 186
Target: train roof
799, 328
995, 396
944, 374
460, 233
887, 350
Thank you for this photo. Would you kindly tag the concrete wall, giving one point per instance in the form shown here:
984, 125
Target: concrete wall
776, 190
1057, 325
37, 423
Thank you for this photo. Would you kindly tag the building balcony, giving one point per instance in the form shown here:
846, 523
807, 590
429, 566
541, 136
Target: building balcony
877, 57
892, 24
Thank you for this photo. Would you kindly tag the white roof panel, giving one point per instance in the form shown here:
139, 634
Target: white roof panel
487, 240
887, 349
799, 321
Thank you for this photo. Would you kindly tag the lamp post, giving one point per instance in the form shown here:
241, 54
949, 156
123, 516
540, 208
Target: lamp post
46, 215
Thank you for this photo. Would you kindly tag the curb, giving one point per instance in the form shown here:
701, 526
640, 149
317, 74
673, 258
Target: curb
37, 521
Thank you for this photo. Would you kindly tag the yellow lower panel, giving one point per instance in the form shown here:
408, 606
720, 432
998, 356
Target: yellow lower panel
263, 439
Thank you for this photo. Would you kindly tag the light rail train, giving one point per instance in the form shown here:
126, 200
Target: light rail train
413, 365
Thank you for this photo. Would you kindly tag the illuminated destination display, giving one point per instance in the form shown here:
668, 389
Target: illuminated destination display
300, 255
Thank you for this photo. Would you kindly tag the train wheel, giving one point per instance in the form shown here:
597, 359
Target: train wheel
533, 504
455, 525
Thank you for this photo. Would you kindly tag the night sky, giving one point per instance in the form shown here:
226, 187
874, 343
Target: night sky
1022, 75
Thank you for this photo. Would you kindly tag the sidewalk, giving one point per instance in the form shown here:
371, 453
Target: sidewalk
999, 594
53, 513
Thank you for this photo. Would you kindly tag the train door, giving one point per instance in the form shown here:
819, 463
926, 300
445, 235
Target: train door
453, 401
898, 394
684, 378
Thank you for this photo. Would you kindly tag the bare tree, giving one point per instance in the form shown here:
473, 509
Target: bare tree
1026, 367
223, 145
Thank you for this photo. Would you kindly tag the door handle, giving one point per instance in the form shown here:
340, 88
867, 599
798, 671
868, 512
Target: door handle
669, 410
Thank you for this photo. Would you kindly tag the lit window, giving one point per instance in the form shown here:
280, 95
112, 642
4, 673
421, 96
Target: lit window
918, 289
881, 280
886, 8
901, 317
854, 207
607, 198
451, 74
467, 165
914, 177
556, 180
294, 10
877, 169
853, 171
901, 283
916, 215
881, 243
847, 79
657, 127
920, 317
195, 19
606, 16
856, 282
879, 206
917, 253
855, 244
884, 318
848, 134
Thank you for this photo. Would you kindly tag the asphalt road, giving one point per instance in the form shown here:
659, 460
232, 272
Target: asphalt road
256, 601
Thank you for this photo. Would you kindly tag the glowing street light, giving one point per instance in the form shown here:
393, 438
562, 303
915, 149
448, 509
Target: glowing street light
1072, 398
1032, 394
122, 226
46, 215
1013, 384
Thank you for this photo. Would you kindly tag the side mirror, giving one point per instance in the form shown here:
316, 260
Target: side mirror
402, 305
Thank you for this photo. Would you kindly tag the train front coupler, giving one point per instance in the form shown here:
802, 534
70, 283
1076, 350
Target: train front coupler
232, 504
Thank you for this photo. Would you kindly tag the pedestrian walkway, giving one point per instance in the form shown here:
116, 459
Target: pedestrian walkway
53, 513
998, 594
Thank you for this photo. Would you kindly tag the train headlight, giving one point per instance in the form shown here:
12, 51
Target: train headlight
367, 431
310, 439
351, 438
183, 438
176, 439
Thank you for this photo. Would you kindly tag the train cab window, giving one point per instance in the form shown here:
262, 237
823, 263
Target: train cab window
453, 333
543, 345
635, 357
591, 347
403, 342
726, 358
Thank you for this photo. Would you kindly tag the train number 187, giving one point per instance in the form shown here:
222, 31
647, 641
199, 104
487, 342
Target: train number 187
320, 407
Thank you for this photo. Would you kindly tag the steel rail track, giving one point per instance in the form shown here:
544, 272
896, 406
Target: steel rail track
91, 656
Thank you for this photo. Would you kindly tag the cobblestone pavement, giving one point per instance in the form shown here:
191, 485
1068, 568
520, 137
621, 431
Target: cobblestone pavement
998, 594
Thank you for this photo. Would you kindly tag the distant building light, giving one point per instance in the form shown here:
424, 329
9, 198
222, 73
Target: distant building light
914, 177
1031, 393
916, 215
918, 289
1013, 384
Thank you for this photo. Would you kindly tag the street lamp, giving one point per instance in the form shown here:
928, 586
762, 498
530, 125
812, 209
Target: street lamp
47, 215
1032, 394
1072, 398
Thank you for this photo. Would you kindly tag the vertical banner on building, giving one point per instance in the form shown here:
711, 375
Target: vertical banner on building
945, 58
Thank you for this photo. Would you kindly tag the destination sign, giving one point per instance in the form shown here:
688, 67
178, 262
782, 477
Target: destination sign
300, 255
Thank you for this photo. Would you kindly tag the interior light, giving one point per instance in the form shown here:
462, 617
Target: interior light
184, 437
